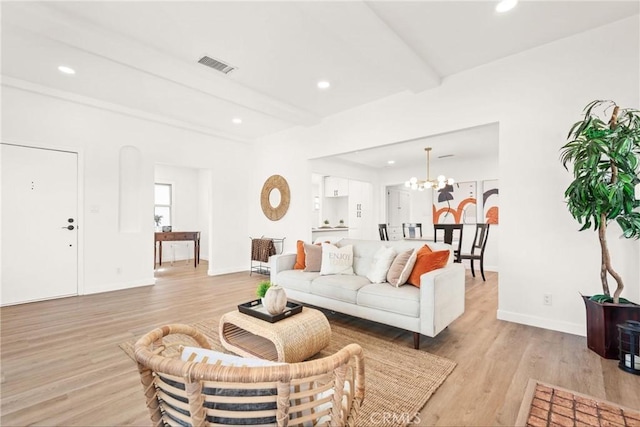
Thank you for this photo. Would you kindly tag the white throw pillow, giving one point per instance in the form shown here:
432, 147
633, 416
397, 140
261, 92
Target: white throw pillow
336, 260
382, 260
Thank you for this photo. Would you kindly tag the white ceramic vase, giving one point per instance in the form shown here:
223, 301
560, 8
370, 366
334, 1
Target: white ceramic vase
275, 300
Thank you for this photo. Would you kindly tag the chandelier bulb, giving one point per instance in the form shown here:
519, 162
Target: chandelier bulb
439, 183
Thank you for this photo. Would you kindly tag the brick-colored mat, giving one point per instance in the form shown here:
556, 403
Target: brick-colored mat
546, 405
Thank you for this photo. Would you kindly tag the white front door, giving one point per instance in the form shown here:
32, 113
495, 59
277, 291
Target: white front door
39, 224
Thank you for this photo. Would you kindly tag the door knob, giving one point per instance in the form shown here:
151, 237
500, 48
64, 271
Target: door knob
69, 227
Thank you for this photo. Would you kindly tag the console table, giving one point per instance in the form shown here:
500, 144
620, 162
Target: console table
172, 236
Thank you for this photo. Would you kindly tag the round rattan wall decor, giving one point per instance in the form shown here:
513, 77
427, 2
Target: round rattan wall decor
275, 197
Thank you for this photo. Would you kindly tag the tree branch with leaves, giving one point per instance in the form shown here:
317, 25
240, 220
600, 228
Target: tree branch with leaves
604, 155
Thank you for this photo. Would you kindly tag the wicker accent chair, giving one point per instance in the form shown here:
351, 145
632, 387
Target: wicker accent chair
326, 391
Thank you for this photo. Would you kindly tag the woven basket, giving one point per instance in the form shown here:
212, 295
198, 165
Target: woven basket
324, 391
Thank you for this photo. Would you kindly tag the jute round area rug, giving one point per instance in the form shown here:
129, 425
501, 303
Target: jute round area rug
398, 380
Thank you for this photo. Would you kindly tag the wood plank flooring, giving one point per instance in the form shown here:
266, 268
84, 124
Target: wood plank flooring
61, 364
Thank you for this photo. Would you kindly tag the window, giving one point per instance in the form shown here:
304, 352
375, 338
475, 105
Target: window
162, 213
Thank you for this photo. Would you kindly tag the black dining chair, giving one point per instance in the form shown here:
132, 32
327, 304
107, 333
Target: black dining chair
409, 229
479, 243
449, 230
382, 229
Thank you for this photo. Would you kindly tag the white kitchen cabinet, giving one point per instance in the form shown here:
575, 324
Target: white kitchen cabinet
394, 232
398, 205
360, 225
335, 187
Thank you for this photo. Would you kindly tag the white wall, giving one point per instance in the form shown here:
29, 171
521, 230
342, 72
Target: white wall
535, 97
38, 119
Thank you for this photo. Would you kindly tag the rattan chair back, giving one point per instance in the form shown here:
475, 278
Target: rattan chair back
326, 391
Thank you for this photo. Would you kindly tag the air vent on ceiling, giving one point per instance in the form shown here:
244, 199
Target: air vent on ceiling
216, 64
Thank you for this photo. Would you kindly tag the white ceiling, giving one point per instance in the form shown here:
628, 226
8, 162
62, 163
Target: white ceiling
141, 56
475, 143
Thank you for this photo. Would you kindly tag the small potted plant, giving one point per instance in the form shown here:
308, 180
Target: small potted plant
262, 288
341, 223
158, 221
326, 224
603, 151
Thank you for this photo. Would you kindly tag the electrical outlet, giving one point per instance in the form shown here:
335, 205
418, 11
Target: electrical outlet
546, 299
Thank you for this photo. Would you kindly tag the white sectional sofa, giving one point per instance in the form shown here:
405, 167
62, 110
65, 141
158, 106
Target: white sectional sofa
426, 310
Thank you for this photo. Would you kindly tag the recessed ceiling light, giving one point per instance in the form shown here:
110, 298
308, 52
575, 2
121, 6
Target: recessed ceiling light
323, 84
390, 162
236, 120
66, 70
506, 5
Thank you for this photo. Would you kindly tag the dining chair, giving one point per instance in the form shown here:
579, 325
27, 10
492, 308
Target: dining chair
382, 229
409, 229
479, 242
449, 230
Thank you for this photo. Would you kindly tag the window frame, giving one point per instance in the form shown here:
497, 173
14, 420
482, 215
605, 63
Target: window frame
162, 205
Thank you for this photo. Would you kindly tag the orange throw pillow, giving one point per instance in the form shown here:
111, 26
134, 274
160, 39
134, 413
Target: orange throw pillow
300, 259
426, 261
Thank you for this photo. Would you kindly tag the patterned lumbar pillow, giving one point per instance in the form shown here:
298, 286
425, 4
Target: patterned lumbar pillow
336, 260
382, 260
401, 268
253, 413
203, 355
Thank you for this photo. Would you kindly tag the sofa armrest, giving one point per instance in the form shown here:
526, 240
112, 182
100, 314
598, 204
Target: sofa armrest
280, 263
442, 294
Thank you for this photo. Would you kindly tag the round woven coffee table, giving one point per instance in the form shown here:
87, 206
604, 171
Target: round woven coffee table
293, 339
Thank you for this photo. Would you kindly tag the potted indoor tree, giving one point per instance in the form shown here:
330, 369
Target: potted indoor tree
603, 149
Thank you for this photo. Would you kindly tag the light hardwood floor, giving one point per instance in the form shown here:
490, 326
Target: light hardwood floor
61, 364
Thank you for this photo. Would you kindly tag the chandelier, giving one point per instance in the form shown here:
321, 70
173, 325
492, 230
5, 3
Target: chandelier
440, 182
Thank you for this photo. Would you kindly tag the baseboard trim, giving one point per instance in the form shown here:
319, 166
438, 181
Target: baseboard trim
220, 272
540, 322
119, 286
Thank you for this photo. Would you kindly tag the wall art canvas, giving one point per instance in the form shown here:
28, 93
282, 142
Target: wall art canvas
490, 201
455, 204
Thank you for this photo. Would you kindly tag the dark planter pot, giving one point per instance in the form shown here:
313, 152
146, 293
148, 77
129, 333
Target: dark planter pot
602, 321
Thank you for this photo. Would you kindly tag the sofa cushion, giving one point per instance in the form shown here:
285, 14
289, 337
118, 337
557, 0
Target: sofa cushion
404, 300
339, 287
312, 257
296, 279
336, 260
363, 253
382, 260
426, 261
401, 267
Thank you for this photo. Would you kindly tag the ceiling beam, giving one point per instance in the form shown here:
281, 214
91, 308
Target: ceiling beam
372, 40
47, 21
